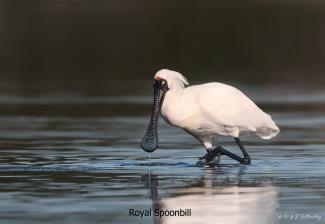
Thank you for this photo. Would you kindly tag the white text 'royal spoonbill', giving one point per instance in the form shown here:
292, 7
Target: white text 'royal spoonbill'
206, 111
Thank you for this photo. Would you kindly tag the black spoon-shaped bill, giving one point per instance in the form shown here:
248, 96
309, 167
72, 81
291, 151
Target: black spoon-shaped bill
149, 141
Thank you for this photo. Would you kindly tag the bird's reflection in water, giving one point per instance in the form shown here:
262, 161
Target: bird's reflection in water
219, 199
151, 181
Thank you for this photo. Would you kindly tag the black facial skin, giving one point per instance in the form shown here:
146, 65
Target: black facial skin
149, 141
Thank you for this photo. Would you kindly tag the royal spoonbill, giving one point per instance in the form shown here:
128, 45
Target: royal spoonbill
206, 111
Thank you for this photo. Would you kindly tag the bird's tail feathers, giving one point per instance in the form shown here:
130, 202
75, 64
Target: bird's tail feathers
267, 132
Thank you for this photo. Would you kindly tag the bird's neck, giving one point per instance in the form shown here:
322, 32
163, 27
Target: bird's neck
172, 98
176, 87
176, 91
170, 109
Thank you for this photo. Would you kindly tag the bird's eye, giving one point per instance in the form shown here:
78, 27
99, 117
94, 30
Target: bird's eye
163, 82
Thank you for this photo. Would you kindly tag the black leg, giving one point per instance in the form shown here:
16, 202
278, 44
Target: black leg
208, 159
218, 151
247, 158
206, 156
229, 154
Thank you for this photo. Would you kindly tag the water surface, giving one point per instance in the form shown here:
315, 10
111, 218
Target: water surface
71, 158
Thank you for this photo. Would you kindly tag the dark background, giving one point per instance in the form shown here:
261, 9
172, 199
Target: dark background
110, 46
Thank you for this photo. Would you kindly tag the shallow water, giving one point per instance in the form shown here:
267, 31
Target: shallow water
76, 159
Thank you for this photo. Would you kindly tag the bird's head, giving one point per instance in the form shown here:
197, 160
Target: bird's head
173, 79
164, 81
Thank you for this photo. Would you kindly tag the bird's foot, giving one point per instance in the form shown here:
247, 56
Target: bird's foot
246, 161
211, 159
208, 163
206, 156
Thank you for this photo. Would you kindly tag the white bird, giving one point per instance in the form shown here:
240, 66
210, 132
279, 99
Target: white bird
206, 111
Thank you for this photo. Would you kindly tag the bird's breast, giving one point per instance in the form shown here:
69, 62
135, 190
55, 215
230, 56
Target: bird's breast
170, 115
181, 111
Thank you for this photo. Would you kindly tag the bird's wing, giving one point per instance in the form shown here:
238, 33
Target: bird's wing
228, 106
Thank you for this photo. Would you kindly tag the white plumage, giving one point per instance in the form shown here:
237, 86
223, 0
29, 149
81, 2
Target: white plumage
208, 110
